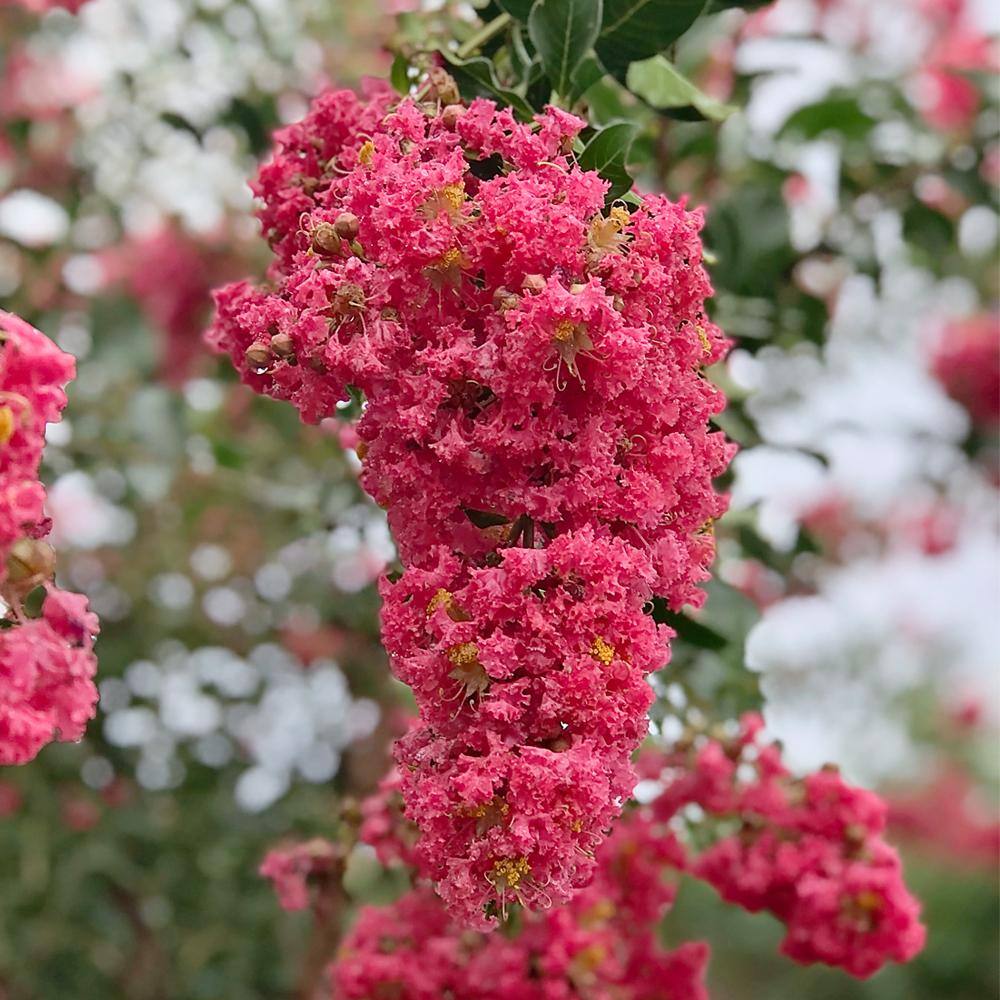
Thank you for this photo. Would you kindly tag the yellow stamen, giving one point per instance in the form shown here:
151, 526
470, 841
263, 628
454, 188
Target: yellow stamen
564, 330
449, 259
366, 154
7, 425
589, 959
510, 871
602, 650
706, 344
869, 901
465, 656
449, 199
621, 215
442, 599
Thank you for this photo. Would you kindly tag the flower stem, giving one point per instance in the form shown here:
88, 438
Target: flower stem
483, 35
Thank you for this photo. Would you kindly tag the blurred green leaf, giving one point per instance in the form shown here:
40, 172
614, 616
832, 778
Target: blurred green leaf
748, 233
518, 9
399, 74
658, 82
842, 115
715, 6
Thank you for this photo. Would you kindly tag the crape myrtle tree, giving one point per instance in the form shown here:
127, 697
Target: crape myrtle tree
552, 558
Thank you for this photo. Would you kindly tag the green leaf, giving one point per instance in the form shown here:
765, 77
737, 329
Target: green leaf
399, 74
538, 89
564, 31
587, 74
638, 29
687, 629
475, 78
660, 85
518, 9
715, 6
485, 518
607, 152
838, 114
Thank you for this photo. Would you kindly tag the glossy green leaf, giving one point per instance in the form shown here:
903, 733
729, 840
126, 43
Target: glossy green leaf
518, 9
586, 75
607, 153
658, 82
563, 32
476, 78
637, 29
399, 75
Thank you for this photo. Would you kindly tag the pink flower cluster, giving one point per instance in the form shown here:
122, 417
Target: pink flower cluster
944, 93
291, 868
46, 662
809, 851
41, 6
601, 945
171, 276
536, 423
949, 816
966, 361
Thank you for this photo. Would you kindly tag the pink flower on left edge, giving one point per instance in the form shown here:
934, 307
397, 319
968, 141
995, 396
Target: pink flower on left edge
47, 663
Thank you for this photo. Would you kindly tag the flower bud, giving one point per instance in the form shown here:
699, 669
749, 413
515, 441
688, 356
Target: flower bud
347, 225
282, 345
451, 115
443, 86
504, 300
533, 283
325, 239
258, 357
348, 298
30, 562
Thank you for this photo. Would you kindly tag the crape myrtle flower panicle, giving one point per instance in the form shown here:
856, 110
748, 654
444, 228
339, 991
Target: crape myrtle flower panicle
603, 944
810, 851
46, 663
536, 424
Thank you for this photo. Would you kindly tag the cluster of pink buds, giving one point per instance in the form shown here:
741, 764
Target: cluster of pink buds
809, 851
536, 423
46, 659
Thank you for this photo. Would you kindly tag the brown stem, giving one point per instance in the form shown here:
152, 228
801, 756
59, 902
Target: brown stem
328, 913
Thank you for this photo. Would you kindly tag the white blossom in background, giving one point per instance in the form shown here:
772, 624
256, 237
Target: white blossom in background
861, 421
154, 83
279, 721
838, 666
882, 436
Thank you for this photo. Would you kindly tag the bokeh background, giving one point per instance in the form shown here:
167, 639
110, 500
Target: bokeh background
848, 153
